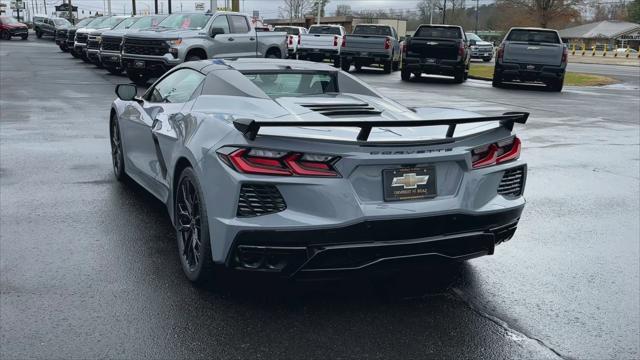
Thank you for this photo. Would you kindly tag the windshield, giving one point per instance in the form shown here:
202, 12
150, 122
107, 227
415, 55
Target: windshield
472, 36
331, 30
537, 36
8, 20
439, 32
185, 21
111, 22
147, 22
288, 30
126, 23
84, 22
294, 84
61, 22
372, 30
96, 22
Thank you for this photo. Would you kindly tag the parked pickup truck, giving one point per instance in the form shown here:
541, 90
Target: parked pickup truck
480, 49
95, 37
82, 34
371, 44
437, 49
322, 42
196, 36
293, 37
111, 41
531, 55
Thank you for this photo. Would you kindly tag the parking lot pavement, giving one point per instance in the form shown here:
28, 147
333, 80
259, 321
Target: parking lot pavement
88, 266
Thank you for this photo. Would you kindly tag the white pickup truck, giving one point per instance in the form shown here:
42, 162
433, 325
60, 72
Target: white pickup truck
322, 42
293, 37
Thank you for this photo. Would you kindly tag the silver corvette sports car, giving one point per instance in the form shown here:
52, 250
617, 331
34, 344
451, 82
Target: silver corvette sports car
300, 169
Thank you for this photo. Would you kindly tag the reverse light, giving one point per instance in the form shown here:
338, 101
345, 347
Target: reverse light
387, 44
496, 153
278, 163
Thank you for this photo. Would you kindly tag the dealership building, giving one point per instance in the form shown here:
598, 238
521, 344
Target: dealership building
613, 34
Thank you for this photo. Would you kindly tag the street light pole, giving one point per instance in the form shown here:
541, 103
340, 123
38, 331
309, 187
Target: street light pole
444, 12
477, 15
133, 7
155, 4
319, 2
169, 6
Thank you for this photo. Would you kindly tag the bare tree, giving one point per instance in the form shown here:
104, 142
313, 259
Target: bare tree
314, 7
293, 9
343, 10
548, 12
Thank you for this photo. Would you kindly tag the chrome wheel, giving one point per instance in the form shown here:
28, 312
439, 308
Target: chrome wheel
188, 224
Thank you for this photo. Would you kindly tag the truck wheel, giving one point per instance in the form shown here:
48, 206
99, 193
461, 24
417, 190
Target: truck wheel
405, 74
38, 34
387, 67
193, 58
345, 65
336, 62
62, 48
556, 85
74, 53
358, 66
24, 37
138, 78
459, 77
396, 65
114, 70
497, 81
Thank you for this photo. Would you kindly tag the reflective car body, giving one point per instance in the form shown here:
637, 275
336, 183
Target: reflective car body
304, 169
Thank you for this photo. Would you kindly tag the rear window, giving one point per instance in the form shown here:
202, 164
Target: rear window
372, 30
288, 30
538, 36
331, 30
294, 84
439, 32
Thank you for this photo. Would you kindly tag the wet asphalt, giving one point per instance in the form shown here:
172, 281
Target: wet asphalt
89, 267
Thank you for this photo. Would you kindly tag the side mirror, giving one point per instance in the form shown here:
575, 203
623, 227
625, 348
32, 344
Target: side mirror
126, 92
216, 30
472, 42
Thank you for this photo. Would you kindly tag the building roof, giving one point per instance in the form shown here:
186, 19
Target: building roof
602, 29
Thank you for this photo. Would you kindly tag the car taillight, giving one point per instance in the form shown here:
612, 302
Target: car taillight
387, 44
500, 54
290, 39
299, 38
335, 40
461, 50
344, 42
404, 48
497, 153
278, 163
565, 55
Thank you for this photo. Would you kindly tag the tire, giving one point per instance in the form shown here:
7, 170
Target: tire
358, 67
459, 76
396, 66
387, 67
497, 79
336, 62
138, 78
74, 54
192, 229
193, 58
114, 70
62, 48
345, 65
405, 74
556, 85
5, 35
24, 37
39, 34
272, 55
117, 155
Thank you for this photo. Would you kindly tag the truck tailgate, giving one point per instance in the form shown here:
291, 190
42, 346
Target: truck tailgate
533, 53
444, 49
365, 43
318, 41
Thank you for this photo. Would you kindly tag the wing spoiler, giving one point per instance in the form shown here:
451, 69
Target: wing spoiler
250, 128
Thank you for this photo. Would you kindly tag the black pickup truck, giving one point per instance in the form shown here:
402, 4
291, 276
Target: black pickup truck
438, 50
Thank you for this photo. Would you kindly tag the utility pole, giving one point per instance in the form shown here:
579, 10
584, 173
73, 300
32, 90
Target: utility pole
431, 12
133, 7
444, 12
70, 12
45, 7
477, 15
213, 5
155, 6
169, 6
235, 5
319, 2
109, 7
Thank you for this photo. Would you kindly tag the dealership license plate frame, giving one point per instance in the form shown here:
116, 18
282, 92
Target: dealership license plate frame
402, 193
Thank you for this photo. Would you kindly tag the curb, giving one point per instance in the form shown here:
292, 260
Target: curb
479, 78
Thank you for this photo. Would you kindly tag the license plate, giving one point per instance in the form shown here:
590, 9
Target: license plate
138, 64
409, 183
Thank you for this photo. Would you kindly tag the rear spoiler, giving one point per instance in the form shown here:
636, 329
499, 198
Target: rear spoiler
249, 127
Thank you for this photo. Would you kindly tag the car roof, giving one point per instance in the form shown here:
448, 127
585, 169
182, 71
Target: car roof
532, 28
255, 64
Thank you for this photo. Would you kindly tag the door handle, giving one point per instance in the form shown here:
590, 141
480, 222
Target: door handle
230, 39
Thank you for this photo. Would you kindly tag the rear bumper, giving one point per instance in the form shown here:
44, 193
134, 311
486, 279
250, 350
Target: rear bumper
367, 57
482, 54
325, 53
18, 32
372, 244
523, 72
438, 67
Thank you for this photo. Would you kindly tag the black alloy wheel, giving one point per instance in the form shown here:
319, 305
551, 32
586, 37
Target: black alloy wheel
5, 35
192, 230
138, 77
117, 157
